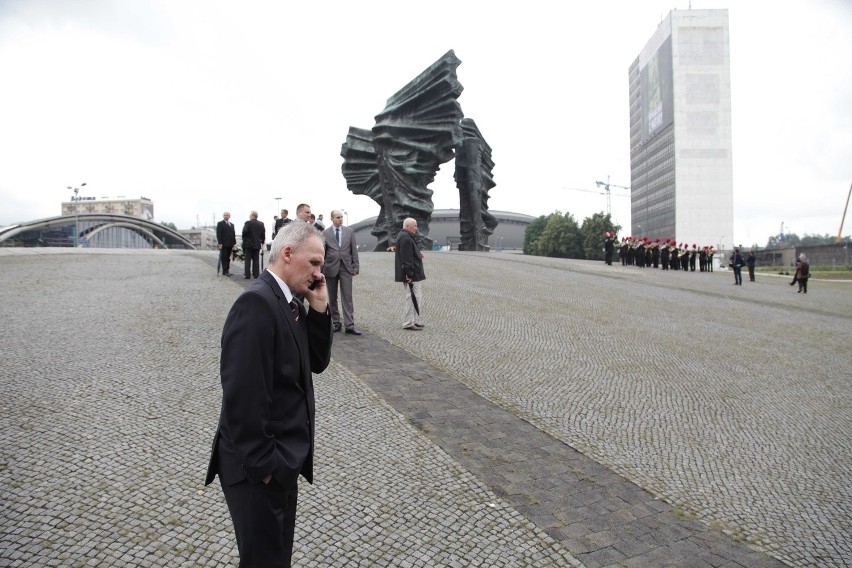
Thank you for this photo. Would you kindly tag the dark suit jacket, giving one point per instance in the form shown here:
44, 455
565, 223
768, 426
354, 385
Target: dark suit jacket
225, 234
254, 234
278, 224
408, 260
267, 421
345, 255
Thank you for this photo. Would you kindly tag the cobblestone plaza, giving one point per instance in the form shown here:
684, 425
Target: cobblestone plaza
555, 413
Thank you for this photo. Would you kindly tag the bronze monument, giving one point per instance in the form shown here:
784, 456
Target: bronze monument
421, 128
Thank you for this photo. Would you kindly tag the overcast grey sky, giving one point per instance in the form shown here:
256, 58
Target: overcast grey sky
206, 105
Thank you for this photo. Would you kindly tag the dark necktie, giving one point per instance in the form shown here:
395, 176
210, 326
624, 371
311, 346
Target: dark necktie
294, 307
337, 234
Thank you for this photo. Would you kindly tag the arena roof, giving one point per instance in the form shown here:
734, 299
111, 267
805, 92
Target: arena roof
444, 229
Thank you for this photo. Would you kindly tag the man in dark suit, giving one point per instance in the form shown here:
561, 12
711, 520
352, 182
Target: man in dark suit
265, 437
226, 237
609, 247
254, 235
341, 265
281, 222
408, 264
303, 212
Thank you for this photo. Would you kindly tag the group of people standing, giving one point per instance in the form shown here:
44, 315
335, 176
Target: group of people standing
736, 262
671, 255
668, 254
340, 263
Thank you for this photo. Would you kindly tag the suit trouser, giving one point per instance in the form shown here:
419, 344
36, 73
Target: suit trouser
409, 314
264, 519
225, 258
344, 280
252, 262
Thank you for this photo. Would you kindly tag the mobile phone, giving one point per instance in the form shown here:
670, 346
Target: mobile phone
314, 285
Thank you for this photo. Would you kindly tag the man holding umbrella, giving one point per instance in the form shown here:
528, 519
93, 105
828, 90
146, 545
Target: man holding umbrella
409, 271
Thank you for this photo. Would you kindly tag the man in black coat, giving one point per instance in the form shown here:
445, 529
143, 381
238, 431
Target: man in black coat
609, 247
265, 436
226, 238
254, 235
281, 222
408, 264
750, 262
737, 262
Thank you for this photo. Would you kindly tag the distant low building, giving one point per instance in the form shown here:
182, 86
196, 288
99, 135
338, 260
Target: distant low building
93, 230
203, 238
104, 222
822, 255
141, 207
445, 230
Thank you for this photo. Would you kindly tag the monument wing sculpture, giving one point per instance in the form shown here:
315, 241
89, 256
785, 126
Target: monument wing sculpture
421, 128
361, 171
417, 132
474, 180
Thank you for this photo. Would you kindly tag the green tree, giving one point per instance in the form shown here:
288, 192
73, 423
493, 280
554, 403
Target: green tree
790, 240
593, 230
169, 225
561, 237
533, 232
812, 240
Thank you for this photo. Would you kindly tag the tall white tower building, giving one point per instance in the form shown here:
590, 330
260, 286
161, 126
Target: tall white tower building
680, 131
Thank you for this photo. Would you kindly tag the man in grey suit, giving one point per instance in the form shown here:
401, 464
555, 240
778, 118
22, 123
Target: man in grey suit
341, 265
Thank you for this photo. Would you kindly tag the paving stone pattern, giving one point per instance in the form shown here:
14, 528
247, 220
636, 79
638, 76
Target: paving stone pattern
560, 412
731, 404
109, 374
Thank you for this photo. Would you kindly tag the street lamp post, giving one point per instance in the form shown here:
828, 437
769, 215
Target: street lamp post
76, 200
278, 205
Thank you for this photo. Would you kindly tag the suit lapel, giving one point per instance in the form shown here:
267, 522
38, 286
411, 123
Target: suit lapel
297, 330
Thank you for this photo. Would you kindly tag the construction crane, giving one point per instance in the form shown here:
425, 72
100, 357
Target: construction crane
598, 192
606, 187
840, 232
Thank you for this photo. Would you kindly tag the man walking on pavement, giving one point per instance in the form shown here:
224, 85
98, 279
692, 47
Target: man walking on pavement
226, 238
341, 266
409, 270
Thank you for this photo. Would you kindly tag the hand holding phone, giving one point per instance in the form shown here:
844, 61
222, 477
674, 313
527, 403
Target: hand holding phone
317, 294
